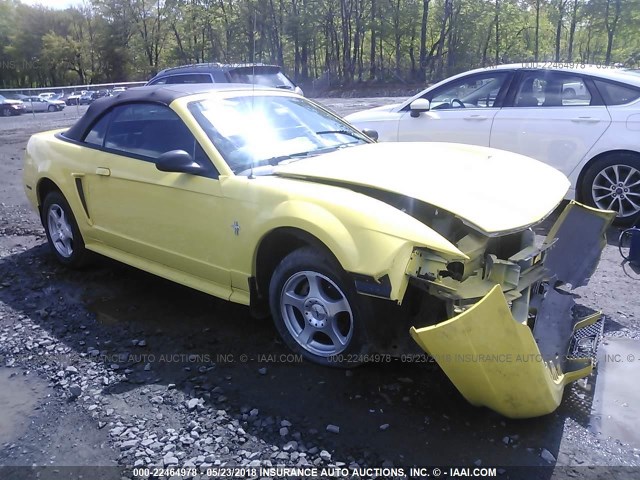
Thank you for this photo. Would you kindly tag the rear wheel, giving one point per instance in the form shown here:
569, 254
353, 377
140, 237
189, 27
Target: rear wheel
62, 231
613, 183
316, 309
6, 112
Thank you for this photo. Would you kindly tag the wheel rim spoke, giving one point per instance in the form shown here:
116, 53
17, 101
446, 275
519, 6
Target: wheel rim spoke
334, 334
334, 307
629, 176
597, 199
616, 172
634, 204
606, 176
290, 298
315, 286
306, 335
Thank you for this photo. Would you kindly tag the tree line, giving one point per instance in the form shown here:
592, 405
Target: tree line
327, 42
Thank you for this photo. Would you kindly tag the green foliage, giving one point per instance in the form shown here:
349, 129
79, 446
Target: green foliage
324, 41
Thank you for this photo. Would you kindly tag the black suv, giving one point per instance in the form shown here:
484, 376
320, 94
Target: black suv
258, 73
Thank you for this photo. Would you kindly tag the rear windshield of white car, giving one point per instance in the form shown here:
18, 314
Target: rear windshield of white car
261, 76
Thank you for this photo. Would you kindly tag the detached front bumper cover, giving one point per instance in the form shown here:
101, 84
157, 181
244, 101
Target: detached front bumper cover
498, 362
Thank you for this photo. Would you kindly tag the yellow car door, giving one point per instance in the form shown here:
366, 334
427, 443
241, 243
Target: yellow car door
167, 219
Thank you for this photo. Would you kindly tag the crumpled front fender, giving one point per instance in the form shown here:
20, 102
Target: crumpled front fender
501, 363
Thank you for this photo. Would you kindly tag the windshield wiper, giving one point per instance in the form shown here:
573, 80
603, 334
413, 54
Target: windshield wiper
343, 132
291, 156
265, 167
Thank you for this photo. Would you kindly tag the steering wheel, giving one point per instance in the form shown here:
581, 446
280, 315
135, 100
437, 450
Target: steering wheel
458, 101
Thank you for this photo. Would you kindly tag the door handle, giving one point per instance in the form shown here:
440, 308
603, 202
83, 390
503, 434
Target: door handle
105, 172
476, 117
585, 120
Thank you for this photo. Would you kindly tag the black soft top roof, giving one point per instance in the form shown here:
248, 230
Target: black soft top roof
161, 94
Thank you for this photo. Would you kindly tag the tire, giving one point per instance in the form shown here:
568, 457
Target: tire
6, 112
613, 183
304, 319
51, 108
62, 231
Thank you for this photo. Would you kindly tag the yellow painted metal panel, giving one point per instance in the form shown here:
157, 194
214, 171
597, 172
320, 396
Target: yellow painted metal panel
494, 361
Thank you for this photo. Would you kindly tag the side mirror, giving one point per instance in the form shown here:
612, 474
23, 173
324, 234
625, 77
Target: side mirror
177, 161
372, 134
418, 106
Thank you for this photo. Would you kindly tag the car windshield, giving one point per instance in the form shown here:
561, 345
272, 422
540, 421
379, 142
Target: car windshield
263, 131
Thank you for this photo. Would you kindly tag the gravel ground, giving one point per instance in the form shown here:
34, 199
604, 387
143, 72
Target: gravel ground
111, 368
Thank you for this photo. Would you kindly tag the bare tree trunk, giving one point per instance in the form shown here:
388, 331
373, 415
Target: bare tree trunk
372, 50
561, 6
485, 50
497, 22
397, 34
443, 33
572, 30
537, 47
612, 26
423, 40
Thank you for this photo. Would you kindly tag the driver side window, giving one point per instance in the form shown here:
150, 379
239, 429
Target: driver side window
474, 91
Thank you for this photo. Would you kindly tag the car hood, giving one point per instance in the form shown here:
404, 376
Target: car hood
9, 101
372, 113
492, 190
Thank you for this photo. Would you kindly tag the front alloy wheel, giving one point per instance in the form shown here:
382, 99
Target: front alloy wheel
613, 183
316, 309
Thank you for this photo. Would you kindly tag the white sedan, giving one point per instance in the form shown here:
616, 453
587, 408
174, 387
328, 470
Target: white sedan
584, 121
43, 104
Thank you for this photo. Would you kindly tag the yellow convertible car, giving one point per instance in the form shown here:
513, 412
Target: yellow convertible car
264, 198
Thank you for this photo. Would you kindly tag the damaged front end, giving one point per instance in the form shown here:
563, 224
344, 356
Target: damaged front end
511, 344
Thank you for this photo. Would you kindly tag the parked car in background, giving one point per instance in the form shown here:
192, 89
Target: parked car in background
584, 121
47, 94
99, 94
118, 89
256, 73
42, 104
16, 96
74, 98
86, 98
262, 197
10, 106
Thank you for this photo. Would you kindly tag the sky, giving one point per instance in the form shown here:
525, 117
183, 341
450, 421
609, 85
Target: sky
57, 4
